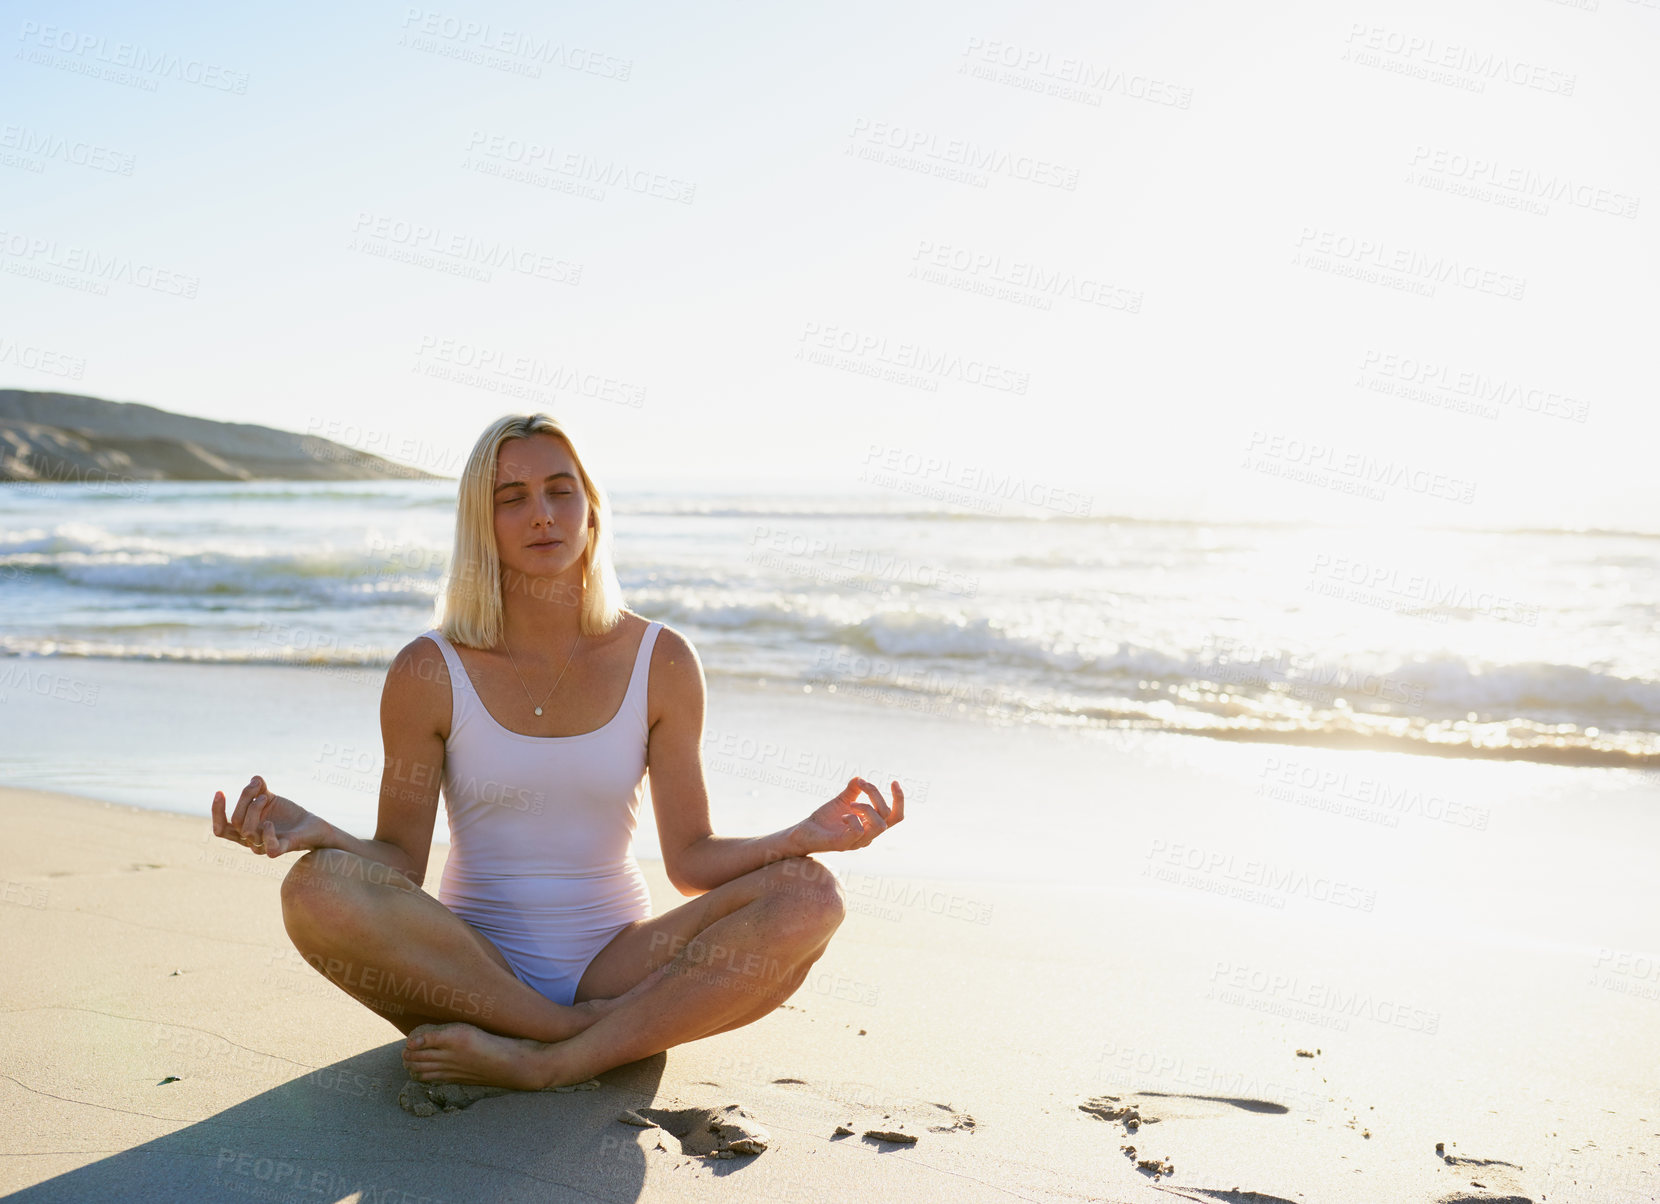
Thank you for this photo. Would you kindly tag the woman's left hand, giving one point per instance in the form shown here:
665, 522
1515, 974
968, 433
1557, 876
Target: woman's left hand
847, 821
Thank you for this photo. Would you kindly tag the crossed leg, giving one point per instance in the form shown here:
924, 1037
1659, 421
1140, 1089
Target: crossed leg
721, 961
404, 955
717, 962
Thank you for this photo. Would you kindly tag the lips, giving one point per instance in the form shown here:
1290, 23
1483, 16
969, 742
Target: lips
546, 543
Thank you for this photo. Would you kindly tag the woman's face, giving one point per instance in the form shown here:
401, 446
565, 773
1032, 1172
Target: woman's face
541, 512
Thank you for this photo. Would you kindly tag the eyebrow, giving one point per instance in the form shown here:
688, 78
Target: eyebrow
552, 476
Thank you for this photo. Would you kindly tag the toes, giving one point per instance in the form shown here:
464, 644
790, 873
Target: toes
420, 1035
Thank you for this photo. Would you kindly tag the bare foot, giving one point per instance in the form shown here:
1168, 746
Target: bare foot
460, 1053
603, 1006
581, 1015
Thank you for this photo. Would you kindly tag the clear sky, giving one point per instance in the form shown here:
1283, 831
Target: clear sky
1391, 262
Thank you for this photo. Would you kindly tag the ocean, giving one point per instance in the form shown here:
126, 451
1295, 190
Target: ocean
1523, 644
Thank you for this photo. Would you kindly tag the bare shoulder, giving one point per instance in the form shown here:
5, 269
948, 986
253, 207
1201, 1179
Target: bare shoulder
674, 652
418, 685
675, 678
420, 660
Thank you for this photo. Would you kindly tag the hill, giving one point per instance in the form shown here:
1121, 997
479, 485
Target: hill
68, 437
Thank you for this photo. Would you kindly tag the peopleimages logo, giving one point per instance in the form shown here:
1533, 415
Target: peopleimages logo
53, 38
41, 359
39, 145
883, 464
1069, 77
1320, 458
1279, 993
1428, 57
1394, 798
961, 152
498, 370
1222, 873
88, 269
1523, 182
986, 272
907, 355
1427, 380
377, 233
479, 41
574, 167
1378, 262
1391, 588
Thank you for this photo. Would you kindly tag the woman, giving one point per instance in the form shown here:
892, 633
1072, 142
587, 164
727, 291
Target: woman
538, 704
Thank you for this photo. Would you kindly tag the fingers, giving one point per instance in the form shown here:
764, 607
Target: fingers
222, 827
254, 786
874, 823
253, 823
881, 815
869, 824
881, 803
255, 816
891, 814
857, 819
248, 825
865, 821
857, 836
273, 847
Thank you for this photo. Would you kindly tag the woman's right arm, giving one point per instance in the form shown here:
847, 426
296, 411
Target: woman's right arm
414, 714
414, 711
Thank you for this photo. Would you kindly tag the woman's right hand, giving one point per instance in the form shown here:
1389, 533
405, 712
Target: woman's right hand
267, 823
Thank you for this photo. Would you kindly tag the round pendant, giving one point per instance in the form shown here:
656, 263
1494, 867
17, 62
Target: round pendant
538, 710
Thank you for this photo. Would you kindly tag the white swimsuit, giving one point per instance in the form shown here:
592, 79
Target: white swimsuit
542, 830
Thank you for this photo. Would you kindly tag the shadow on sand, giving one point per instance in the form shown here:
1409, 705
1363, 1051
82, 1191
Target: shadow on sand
339, 1129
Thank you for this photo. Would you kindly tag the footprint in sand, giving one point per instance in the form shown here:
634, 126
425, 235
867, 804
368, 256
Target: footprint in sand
1140, 1108
429, 1099
904, 1119
1149, 1107
1489, 1181
1211, 1195
722, 1132
894, 1136
1110, 1107
904, 1131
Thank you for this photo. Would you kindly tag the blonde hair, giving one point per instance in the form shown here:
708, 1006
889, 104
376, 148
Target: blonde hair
469, 609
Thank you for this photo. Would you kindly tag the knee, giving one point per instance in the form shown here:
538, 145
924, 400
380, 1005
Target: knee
307, 887
808, 889
328, 886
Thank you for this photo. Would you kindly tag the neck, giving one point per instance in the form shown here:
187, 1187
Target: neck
541, 623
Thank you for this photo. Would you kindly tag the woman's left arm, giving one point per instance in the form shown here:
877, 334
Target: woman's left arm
694, 858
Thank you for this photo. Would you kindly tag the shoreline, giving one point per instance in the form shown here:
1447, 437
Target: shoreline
33, 677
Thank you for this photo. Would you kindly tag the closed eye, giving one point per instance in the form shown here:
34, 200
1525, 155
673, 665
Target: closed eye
519, 497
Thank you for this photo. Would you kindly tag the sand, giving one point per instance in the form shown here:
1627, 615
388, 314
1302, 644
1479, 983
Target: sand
1111, 1040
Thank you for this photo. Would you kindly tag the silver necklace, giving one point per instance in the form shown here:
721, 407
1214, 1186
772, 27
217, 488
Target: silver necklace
556, 680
